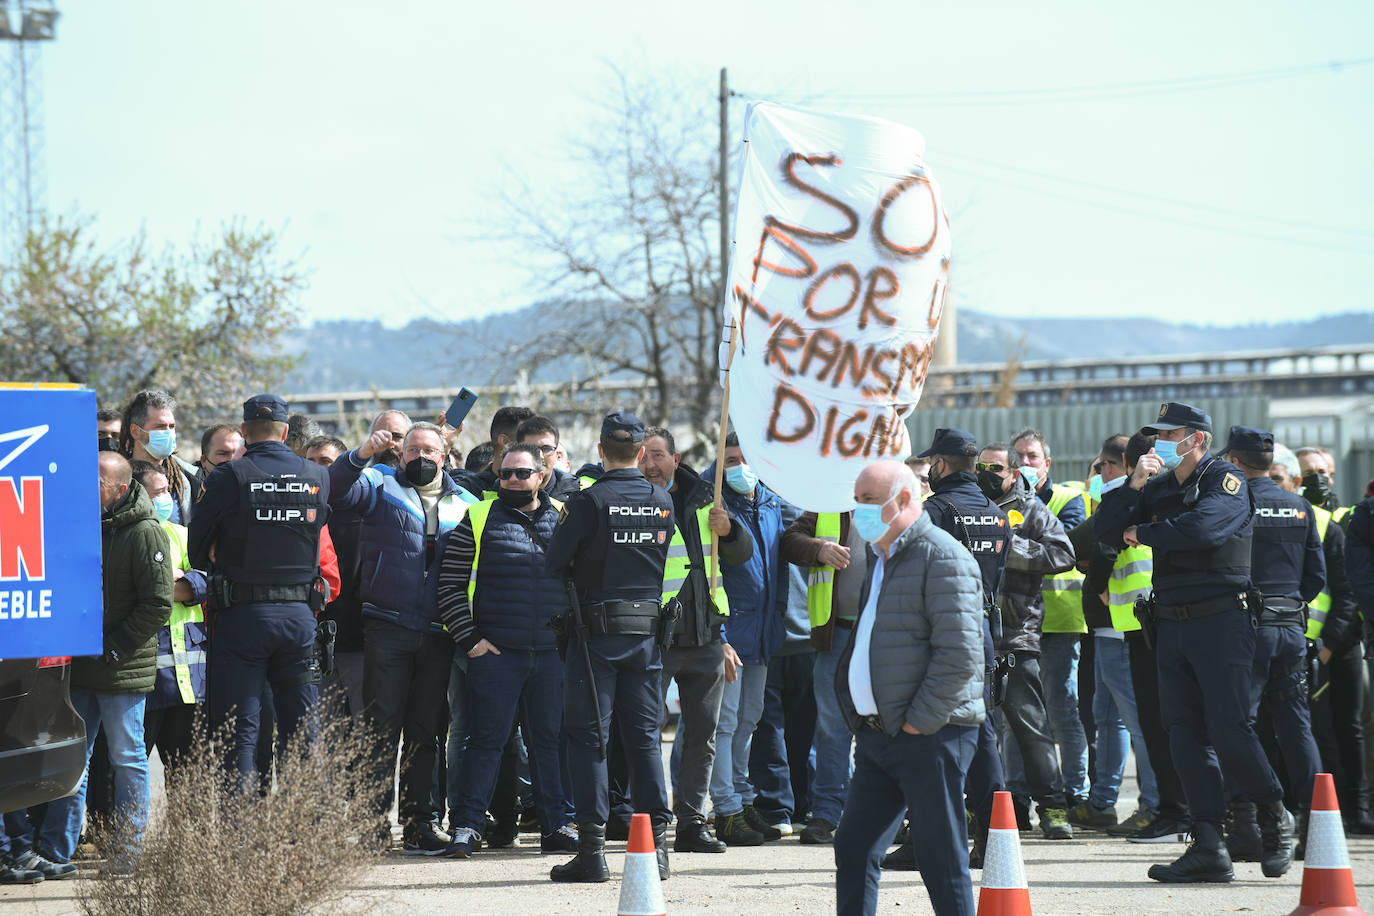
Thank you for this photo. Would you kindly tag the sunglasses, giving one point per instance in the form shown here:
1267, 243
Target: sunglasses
986, 466
548, 449
522, 473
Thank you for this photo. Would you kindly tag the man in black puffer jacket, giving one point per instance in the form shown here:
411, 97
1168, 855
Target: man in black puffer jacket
1039, 547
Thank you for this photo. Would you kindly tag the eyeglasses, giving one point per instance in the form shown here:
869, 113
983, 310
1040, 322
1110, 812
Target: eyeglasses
986, 466
522, 473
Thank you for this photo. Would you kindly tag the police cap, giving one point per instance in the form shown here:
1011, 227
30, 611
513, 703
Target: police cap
1178, 416
951, 442
265, 407
1245, 439
622, 421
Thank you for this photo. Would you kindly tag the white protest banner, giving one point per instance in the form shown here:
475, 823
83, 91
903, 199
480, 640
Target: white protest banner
838, 281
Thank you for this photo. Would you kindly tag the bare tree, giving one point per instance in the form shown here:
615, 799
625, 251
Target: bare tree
634, 246
206, 323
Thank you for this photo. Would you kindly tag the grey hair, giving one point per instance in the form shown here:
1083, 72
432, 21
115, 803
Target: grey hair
1284, 455
1206, 439
422, 427
904, 479
389, 413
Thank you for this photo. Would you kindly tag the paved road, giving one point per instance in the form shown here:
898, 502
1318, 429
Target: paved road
1088, 875
1091, 874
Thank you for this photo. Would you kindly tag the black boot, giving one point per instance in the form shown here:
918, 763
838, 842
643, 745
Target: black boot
1300, 836
694, 836
980, 843
903, 858
1243, 841
661, 849
1276, 829
589, 865
1205, 860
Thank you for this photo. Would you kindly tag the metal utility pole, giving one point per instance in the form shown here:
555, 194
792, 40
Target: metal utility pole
23, 24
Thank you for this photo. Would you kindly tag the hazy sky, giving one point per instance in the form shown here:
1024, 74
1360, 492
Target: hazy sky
373, 133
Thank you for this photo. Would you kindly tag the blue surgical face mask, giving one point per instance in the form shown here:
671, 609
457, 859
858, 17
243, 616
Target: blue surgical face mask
161, 442
868, 522
1168, 453
162, 505
741, 479
1095, 487
1031, 474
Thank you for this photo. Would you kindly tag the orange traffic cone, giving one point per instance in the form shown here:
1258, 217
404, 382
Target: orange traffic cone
1328, 886
1004, 891
641, 894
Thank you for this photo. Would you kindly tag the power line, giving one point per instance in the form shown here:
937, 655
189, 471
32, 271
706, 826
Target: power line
1160, 199
1104, 91
1162, 217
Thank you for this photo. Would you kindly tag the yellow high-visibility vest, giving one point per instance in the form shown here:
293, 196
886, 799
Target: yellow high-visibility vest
1063, 592
820, 580
1132, 577
676, 570
182, 614
1320, 606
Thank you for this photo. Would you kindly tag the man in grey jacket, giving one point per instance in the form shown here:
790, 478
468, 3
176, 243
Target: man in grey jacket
911, 688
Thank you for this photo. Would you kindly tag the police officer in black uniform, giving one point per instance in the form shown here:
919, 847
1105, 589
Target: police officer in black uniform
1288, 567
1198, 520
958, 505
257, 527
612, 540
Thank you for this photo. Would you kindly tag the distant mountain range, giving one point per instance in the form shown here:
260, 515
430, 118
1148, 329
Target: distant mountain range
426, 353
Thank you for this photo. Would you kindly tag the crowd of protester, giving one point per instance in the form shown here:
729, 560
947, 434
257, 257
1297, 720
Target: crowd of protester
443, 643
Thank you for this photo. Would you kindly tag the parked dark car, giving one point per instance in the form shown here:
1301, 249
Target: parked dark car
42, 739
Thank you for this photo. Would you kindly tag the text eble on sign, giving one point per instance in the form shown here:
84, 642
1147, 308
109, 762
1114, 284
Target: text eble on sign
50, 589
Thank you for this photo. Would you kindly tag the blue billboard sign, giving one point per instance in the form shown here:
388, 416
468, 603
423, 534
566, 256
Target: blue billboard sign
49, 522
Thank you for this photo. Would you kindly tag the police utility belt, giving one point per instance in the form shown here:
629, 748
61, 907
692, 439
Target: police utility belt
230, 593
623, 618
1198, 609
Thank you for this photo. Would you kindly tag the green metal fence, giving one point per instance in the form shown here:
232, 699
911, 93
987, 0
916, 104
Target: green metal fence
1076, 432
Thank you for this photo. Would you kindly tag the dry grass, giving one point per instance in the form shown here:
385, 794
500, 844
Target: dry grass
213, 847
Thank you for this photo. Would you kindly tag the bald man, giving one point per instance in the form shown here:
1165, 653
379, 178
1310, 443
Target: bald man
911, 688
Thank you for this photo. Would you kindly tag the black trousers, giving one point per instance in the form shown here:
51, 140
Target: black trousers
1145, 682
171, 730
1336, 725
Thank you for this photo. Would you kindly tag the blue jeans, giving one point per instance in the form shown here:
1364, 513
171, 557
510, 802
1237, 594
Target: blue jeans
1059, 671
1118, 727
741, 707
833, 740
527, 685
922, 774
120, 716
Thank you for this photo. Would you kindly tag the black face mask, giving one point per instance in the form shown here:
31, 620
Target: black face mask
421, 471
515, 499
991, 484
1316, 488
107, 444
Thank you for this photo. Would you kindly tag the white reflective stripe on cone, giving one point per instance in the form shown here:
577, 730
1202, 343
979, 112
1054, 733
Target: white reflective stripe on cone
1002, 869
641, 894
1326, 841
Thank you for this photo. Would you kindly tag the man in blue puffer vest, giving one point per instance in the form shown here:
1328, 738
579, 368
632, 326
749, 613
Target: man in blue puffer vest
757, 591
496, 600
406, 653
